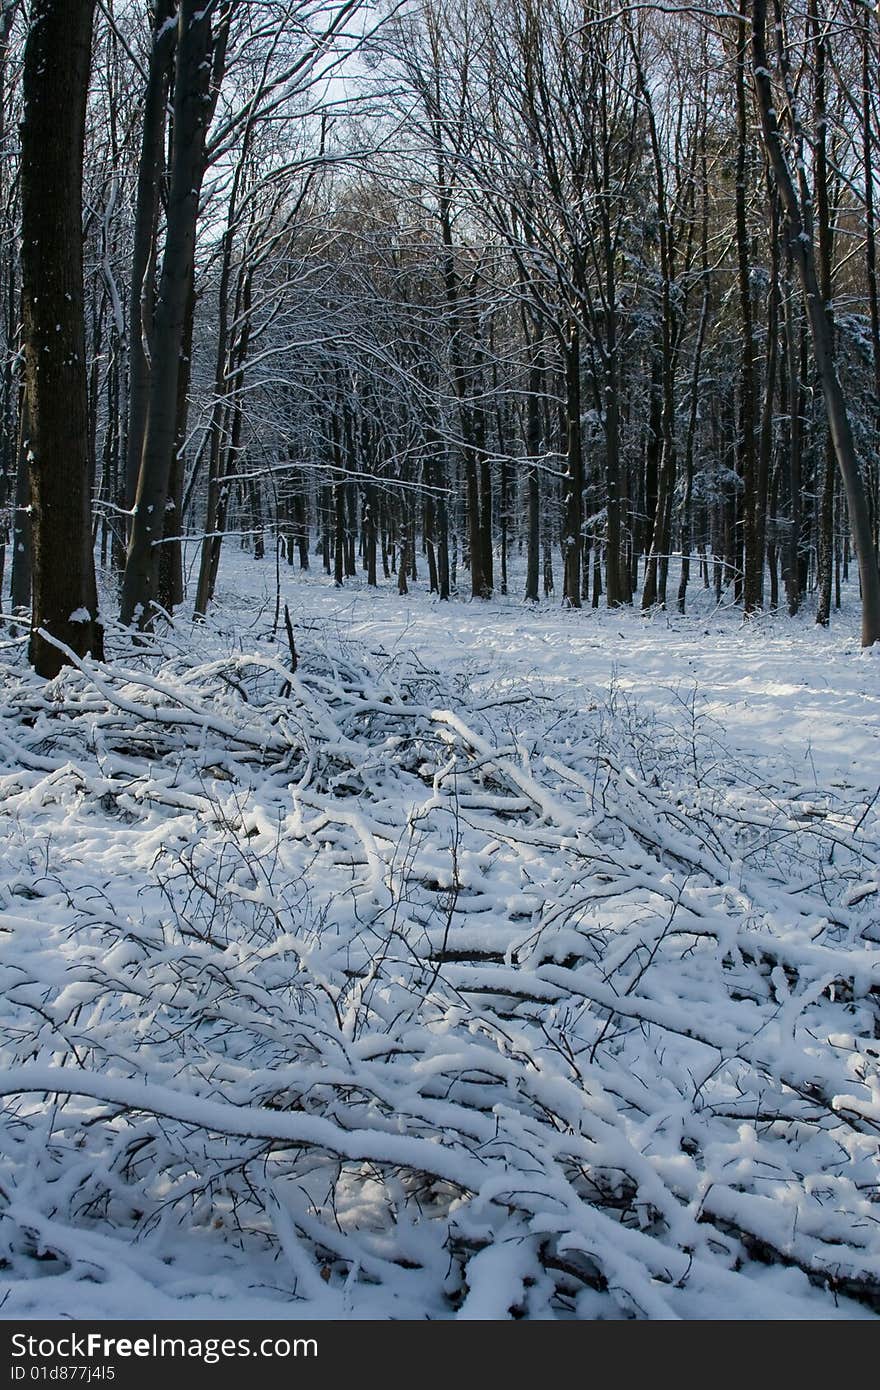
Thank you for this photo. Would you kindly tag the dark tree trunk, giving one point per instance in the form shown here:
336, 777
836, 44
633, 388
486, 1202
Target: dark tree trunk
443, 574
534, 448
21, 518
480, 583
794, 391
9, 391
825, 514
403, 558
486, 550
765, 431
326, 528
573, 481
301, 524
504, 520
143, 260
226, 425
479, 587
747, 462
369, 534
687, 510
772, 533
653, 446
56, 79
223, 369
657, 568
430, 550
171, 555
339, 532
192, 93
616, 573
868, 137
351, 515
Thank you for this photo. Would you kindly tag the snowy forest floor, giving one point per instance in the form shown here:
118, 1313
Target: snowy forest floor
497, 963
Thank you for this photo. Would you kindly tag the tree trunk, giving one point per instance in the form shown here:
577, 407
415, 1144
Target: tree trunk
533, 447
56, 79
573, 481
801, 243
687, 517
825, 510
21, 517
747, 461
171, 551
443, 575
191, 114
143, 261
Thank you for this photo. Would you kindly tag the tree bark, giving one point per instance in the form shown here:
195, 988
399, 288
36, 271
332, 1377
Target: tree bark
65, 603
21, 517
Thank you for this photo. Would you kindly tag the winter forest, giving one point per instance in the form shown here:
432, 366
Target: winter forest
439, 659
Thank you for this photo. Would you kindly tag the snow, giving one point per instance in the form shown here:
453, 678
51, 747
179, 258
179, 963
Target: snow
502, 961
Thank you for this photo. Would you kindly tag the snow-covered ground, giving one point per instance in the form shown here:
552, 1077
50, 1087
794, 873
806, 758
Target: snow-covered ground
498, 962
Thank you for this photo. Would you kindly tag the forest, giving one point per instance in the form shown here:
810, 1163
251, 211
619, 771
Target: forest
439, 640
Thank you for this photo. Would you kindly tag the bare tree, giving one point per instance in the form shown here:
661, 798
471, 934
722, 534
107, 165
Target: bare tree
798, 212
199, 56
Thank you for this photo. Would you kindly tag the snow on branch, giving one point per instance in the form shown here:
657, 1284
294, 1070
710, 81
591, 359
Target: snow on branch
497, 1007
